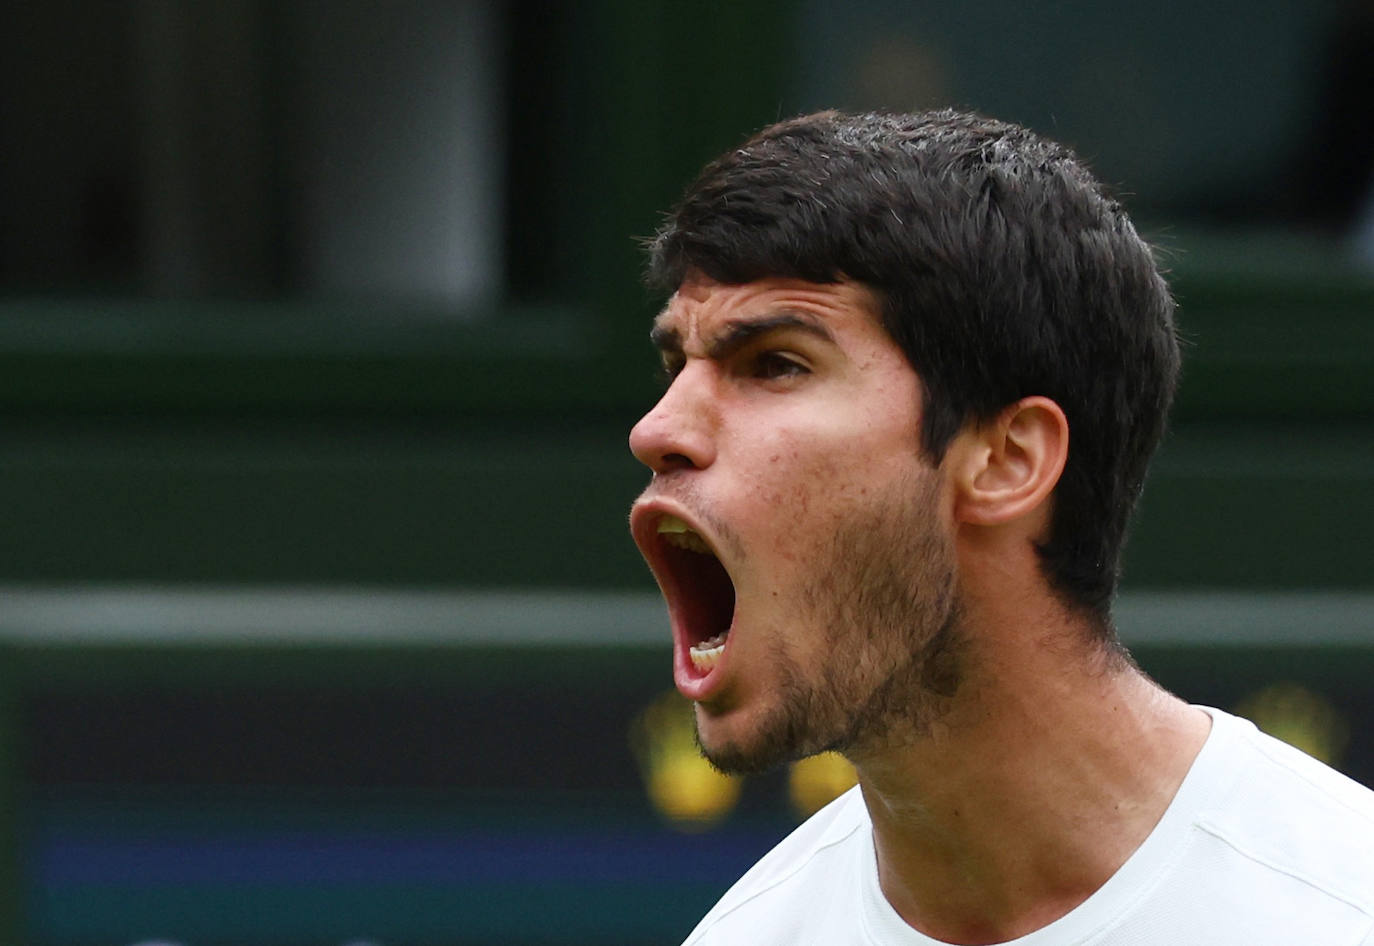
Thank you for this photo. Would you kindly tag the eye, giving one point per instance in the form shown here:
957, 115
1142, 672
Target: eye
777, 365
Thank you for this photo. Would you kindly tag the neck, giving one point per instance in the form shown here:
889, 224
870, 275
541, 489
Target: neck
1051, 766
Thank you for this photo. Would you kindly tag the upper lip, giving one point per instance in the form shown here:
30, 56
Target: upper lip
644, 520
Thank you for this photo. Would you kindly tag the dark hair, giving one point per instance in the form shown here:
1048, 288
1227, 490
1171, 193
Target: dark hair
1004, 270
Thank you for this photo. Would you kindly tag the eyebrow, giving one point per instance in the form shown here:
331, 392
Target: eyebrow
738, 333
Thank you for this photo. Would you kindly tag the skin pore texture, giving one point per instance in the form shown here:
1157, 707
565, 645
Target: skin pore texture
894, 609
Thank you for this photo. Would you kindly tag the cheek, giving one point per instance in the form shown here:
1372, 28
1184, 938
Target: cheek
786, 466
806, 500
801, 484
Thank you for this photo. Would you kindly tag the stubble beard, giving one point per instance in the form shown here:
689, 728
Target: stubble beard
882, 593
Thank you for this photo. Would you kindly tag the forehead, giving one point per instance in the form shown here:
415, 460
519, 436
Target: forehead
701, 308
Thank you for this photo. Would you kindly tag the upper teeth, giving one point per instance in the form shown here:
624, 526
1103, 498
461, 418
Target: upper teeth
678, 533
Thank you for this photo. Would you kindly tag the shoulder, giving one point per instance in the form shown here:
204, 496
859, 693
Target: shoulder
1296, 816
781, 896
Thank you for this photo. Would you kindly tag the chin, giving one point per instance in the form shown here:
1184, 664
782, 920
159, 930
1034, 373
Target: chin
736, 747
733, 759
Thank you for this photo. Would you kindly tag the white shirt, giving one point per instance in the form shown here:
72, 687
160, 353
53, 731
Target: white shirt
1261, 846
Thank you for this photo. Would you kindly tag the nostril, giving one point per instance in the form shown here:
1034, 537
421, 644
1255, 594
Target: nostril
678, 461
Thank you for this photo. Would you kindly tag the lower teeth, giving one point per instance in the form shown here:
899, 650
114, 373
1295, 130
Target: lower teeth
706, 654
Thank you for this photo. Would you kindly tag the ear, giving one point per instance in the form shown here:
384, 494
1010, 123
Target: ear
1005, 469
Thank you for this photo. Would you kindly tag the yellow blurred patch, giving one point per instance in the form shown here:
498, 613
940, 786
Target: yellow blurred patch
815, 782
681, 785
1301, 718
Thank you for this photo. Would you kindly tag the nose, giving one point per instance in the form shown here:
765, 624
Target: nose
679, 433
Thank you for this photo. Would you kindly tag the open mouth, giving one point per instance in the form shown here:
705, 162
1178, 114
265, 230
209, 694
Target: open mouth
700, 593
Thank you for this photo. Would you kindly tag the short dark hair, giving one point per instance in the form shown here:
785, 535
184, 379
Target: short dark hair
1003, 270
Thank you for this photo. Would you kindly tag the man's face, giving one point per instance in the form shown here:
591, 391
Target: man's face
802, 543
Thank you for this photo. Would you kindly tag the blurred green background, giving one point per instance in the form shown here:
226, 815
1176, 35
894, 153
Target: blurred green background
320, 336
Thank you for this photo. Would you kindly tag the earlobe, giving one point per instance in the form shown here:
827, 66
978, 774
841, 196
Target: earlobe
1007, 468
